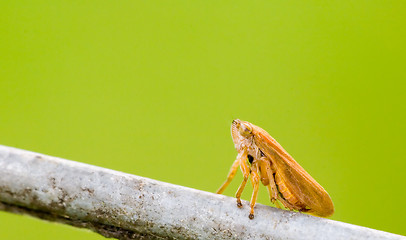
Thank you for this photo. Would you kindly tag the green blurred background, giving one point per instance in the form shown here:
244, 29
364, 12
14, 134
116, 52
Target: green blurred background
151, 87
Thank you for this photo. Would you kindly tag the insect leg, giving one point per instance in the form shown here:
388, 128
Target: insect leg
255, 184
265, 166
232, 172
271, 194
245, 172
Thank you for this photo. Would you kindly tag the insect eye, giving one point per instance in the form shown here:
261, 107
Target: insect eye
245, 130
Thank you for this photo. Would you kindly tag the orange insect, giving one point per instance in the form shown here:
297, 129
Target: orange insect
264, 158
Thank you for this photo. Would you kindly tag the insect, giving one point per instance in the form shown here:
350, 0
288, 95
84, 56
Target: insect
262, 157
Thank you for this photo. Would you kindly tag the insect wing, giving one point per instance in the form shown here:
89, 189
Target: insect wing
296, 179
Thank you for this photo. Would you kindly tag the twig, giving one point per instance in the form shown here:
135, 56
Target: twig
125, 206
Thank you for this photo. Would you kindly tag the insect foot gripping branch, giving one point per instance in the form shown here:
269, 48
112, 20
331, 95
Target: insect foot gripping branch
263, 158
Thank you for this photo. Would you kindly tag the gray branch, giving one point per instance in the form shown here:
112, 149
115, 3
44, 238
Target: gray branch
125, 206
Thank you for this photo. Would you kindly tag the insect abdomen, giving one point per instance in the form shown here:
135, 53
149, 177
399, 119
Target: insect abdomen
287, 194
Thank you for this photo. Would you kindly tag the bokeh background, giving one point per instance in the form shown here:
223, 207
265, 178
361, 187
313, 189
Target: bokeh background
151, 87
